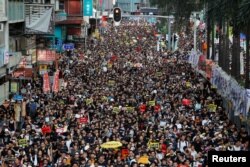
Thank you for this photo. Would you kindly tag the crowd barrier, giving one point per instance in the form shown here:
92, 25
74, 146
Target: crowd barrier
227, 87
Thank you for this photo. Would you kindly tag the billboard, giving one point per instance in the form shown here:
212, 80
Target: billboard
46, 55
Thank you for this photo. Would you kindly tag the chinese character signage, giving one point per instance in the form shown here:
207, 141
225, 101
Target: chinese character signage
87, 7
46, 83
46, 55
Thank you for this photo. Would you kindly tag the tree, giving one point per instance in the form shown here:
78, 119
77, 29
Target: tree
180, 9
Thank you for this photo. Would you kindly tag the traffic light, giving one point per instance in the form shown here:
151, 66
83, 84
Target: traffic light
117, 14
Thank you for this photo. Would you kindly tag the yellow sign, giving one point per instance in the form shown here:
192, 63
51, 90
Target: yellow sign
13, 87
188, 84
111, 82
110, 65
151, 103
212, 107
130, 109
43, 67
89, 101
154, 145
116, 109
159, 74
104, 98
22, 142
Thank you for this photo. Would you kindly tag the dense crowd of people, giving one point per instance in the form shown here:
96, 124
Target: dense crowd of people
121, 90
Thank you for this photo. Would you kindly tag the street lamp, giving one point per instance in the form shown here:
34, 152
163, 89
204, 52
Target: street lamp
84, 33
169, 33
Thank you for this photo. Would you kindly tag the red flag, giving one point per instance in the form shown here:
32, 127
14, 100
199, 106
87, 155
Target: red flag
55, 87
46, 84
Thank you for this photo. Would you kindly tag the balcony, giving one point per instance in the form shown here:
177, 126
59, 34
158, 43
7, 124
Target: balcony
16, 11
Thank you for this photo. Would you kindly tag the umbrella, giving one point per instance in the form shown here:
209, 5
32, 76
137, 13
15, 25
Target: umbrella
111, 144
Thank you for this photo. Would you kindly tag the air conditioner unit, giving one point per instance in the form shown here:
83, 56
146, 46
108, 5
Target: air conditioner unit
1, 26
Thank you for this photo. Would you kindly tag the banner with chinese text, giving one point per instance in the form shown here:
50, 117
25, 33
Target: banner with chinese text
46, 84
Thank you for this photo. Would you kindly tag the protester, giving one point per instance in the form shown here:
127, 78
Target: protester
123, 90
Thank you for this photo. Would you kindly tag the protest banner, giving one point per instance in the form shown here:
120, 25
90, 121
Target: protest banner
46, 129
151, 103
111, 83
130, 109
116, 109
55, 87
22, 142
83, 120
212, 107
155, 145
89, 101
46, 83
188, 84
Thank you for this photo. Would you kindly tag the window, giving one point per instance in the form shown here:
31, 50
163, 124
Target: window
61, 5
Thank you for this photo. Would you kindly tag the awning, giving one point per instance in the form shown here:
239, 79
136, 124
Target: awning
66, 22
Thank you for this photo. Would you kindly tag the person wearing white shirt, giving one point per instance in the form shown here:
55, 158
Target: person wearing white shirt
182, 143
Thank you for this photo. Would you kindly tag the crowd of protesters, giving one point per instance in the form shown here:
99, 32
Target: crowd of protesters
126, 91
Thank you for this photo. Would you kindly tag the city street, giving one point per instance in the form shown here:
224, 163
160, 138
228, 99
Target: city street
120, 104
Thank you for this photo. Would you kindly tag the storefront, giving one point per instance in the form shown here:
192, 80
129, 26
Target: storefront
46, 60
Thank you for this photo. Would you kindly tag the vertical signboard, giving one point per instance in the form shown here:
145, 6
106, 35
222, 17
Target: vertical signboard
87, 7
13, 87
55, 87
2, 51
6, 58
46, 83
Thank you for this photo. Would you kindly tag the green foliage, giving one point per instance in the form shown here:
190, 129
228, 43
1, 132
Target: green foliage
237, 12
179, 8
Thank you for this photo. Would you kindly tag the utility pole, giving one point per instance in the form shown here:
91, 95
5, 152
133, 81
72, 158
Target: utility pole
195, 31
169, 34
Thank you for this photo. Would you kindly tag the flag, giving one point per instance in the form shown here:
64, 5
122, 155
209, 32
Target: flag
55, 87
46, 83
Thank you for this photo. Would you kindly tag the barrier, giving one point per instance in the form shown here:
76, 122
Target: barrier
236, 97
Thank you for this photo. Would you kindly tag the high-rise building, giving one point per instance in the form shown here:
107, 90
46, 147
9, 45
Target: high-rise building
4, 48
128, 6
